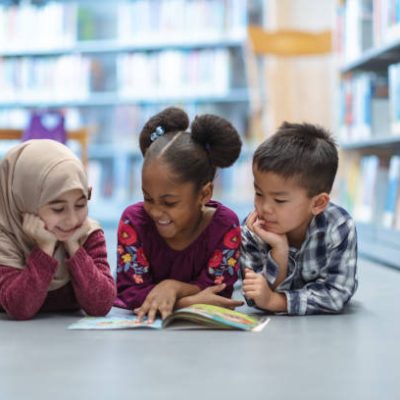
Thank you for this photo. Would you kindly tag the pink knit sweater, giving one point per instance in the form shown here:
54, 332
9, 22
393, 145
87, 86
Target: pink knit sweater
23, 292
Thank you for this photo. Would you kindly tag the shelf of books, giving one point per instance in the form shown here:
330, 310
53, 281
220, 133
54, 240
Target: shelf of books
368, 33
110, 65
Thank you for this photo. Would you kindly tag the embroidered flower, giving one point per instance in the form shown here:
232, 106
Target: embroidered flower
141, 257
126, 258
219, 279
215, 259
232, 238
120, 250
138, 279
232, 262
126, 234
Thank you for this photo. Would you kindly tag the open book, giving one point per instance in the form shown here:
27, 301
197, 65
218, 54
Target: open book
195, 316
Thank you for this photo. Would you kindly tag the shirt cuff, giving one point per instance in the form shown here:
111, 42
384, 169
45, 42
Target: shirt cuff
296, 302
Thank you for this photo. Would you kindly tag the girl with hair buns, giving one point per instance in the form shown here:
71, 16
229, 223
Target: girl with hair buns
52, 256
179, 247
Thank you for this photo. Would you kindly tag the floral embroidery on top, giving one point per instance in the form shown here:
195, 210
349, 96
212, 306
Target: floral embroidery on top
130, 253
225, 259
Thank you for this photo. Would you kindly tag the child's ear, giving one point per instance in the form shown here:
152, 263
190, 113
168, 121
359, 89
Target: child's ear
319, 203
206, 193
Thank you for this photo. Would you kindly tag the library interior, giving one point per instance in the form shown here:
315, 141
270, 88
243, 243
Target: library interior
90, 73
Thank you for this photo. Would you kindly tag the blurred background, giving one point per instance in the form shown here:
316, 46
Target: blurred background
97, 70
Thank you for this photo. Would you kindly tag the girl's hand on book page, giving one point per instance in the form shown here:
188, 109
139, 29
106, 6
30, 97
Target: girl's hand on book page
210, 296
35, 228
161, 300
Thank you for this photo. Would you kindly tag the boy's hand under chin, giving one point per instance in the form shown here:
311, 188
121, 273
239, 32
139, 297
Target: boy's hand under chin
278, 242
35, 228
257, 225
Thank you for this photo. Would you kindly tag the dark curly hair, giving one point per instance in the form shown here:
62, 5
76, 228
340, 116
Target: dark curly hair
193, 156
305, 152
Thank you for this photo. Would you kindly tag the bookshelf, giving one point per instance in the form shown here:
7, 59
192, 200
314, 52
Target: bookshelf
368, 40
110, 65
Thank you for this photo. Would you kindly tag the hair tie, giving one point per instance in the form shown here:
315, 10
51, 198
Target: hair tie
157, 133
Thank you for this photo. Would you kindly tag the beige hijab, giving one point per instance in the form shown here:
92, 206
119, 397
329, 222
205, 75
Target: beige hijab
31, 175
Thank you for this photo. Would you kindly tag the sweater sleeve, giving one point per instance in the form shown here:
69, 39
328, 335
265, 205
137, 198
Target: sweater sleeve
134, 280
23, 291
223, 265
91, 276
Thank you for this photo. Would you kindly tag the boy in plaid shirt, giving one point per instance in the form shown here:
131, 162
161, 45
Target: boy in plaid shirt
299, 250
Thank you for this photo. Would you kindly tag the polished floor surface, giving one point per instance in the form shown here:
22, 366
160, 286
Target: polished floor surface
354, 355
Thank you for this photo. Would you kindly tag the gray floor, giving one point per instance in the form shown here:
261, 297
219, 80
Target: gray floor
350, 356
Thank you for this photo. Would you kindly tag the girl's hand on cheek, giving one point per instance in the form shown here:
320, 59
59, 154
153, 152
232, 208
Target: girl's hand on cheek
72, 243
35, 228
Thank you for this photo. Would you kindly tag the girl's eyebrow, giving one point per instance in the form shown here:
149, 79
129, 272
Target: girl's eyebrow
163, 196
59, 201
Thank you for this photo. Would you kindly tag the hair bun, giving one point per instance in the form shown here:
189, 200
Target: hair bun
171, 119
219, 137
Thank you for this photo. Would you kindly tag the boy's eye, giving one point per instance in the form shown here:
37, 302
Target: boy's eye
57, 210
280, 201
81, 205
147, 199
258, 194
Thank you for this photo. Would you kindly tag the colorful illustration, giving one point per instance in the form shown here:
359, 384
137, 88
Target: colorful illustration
198, 316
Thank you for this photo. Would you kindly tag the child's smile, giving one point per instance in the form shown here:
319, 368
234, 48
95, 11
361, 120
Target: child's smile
174, 206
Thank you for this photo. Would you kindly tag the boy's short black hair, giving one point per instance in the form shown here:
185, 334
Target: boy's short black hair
305, 152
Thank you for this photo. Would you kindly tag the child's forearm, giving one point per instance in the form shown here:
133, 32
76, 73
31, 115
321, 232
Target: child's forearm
277, 302
23, 291
184, 289
281, 257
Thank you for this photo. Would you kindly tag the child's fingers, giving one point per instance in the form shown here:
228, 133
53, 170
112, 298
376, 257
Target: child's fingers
140, 314
231, 303
143, 310
165, 312
249, 273
217, 288
166, 308
251, 219
151, 315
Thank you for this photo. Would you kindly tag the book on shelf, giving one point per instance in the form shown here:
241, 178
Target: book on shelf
364, 106
394, 97
392, 193
196, 316
364, 205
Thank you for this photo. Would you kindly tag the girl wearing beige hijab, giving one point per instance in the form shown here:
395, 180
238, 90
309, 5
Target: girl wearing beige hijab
52, 256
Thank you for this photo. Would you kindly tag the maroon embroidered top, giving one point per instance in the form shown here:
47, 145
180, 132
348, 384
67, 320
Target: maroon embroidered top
23, 292
145, 259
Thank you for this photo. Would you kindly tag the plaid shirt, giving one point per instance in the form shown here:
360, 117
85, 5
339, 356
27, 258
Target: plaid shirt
322, 274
